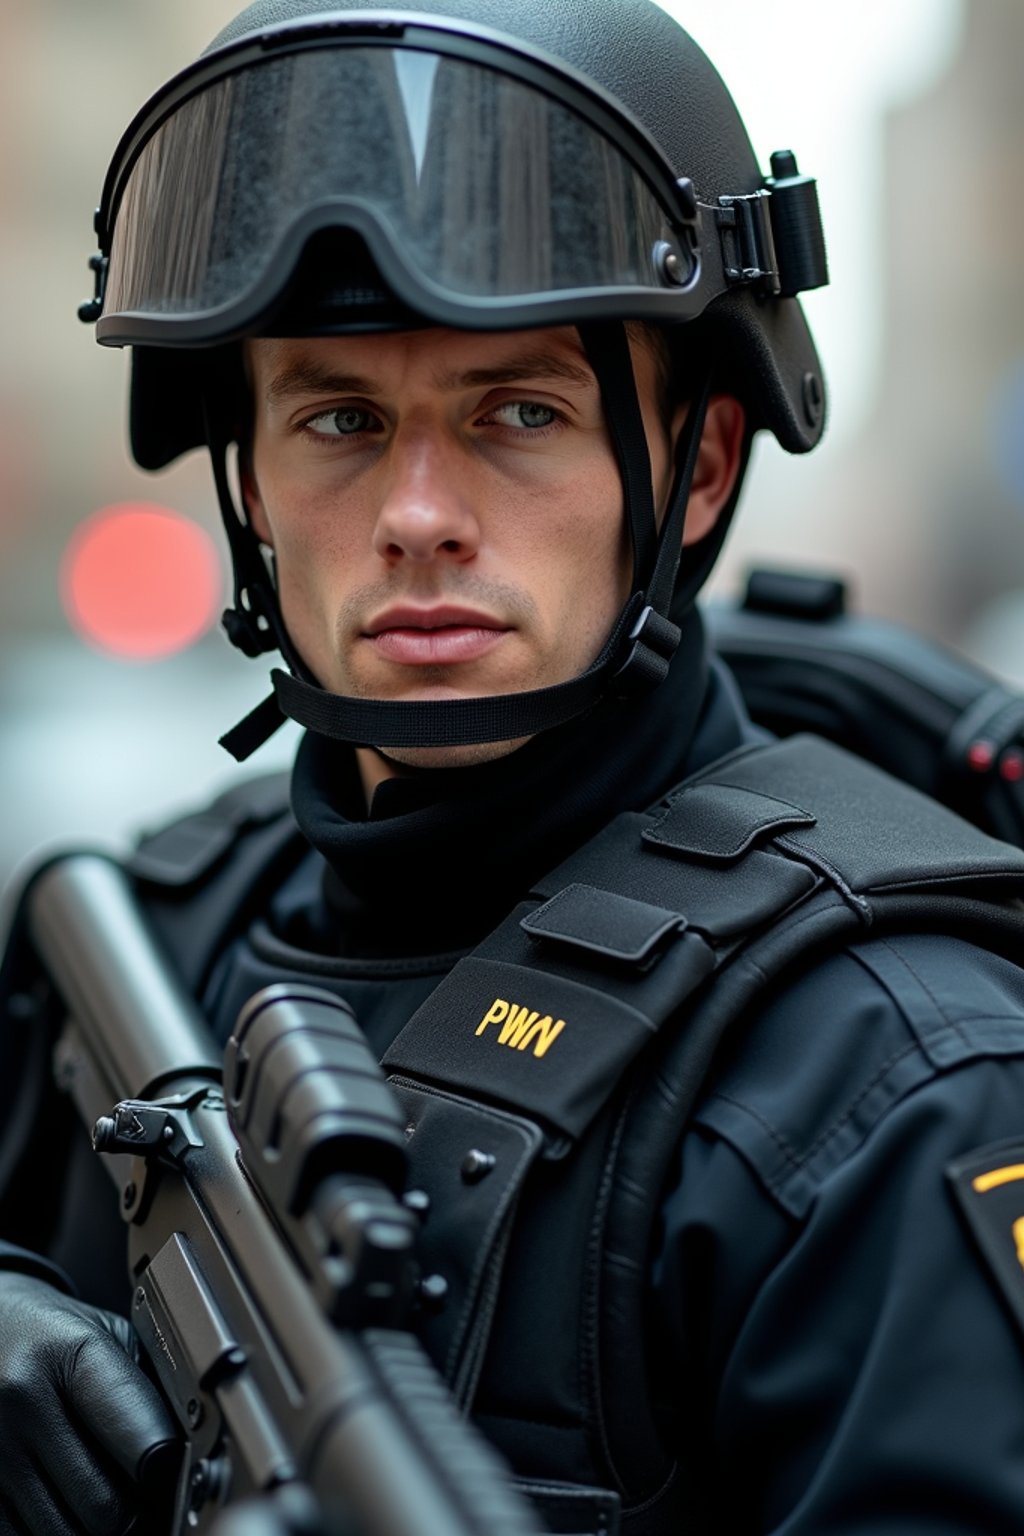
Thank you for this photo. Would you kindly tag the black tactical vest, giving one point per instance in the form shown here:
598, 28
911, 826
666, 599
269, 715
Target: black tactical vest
549, 1077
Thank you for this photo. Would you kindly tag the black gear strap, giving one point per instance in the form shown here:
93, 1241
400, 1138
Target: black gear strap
254, 730
255, 624
410, 723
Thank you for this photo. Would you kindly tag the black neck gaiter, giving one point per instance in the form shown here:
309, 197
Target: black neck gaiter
443, 854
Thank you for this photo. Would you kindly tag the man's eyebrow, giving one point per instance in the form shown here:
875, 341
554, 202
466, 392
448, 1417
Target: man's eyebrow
310, 378
307, 377
517, 367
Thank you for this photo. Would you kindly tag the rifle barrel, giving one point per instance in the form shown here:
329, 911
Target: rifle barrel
93, 939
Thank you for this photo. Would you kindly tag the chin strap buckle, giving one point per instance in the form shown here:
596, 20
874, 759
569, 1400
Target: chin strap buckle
652, 642
247, 624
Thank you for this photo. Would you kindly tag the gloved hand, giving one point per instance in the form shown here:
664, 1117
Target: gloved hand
85, 1438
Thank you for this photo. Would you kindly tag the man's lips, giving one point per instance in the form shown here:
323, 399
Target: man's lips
438, 636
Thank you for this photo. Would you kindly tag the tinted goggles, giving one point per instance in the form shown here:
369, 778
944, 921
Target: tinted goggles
491, 189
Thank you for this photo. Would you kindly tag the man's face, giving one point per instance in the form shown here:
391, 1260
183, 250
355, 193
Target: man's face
445, 510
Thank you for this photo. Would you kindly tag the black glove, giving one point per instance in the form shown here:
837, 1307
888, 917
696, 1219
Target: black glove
86, 1438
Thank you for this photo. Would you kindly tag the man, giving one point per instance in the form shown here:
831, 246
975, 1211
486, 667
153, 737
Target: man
492, 317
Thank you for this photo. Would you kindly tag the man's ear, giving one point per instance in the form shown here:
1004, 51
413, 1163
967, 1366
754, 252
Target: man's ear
718, 463
252, 501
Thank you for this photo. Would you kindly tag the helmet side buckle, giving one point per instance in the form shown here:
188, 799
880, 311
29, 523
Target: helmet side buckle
748, 242
772, 239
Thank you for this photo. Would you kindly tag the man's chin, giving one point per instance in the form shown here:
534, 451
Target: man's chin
433, 686
470, 756
376, 765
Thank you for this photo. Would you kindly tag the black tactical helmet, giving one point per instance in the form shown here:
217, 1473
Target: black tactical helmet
464, 163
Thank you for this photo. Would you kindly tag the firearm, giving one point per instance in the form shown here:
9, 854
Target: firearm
269, 1249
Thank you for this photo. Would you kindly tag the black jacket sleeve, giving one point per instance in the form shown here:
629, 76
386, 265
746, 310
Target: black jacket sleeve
851, 1364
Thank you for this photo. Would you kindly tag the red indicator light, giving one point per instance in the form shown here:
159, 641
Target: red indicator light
140, 581
980, 756
1011, 765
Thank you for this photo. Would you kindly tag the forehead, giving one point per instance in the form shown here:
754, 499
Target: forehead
442, 359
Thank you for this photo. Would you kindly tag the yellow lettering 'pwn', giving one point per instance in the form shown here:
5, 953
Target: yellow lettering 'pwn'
516, 1025
522, 1027
498, 1010
545, 1031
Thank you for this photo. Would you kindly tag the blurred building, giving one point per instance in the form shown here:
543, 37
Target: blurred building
90, 746
956, 319
924, 507
71, 78
949, 511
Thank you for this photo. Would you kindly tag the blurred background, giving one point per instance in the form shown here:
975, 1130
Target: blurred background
910, 114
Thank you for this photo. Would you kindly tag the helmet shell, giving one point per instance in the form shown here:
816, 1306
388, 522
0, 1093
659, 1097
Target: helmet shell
637, 53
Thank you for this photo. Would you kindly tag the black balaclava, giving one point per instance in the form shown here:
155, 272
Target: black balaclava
442, 854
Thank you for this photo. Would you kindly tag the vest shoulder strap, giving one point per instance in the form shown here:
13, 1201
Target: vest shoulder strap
203, 877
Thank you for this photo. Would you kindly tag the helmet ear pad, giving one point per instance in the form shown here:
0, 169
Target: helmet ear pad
765, 356
168, 388
769, 360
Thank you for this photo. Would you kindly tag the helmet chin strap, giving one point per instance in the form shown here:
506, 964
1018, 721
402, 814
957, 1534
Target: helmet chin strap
634, 658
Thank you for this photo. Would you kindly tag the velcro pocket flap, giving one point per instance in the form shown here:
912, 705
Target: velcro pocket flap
603, 923
720, 822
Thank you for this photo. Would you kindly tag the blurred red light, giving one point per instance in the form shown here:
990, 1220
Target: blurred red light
980, 756
1011, 766
141, 581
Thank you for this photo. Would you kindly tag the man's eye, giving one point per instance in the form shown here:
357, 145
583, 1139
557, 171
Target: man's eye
525, 414
347, 422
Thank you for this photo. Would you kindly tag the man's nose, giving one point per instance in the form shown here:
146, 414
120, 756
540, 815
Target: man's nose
426, 513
